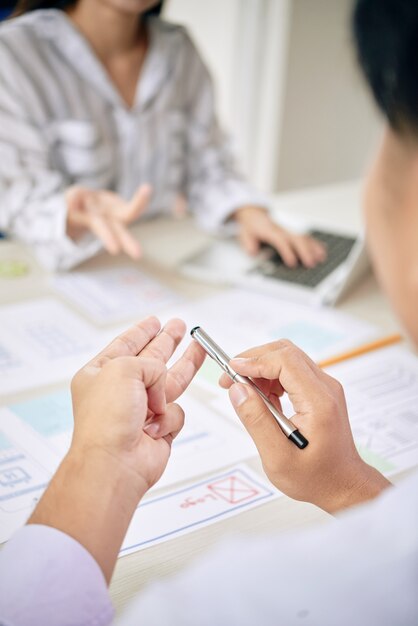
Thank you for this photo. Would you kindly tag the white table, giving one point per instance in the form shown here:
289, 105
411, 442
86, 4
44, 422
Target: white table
165, 243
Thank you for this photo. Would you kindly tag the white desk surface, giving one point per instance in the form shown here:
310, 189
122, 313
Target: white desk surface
165, 243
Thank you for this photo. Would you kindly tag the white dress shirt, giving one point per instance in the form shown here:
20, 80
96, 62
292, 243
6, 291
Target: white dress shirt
62, 122
358, 570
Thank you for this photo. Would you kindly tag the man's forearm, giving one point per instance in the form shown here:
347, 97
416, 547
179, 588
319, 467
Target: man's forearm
91, 498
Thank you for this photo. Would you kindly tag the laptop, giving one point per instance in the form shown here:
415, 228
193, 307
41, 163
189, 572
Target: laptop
224, 262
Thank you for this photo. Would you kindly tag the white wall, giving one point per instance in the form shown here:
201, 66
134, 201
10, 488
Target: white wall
330, 125
313, 122
213, 26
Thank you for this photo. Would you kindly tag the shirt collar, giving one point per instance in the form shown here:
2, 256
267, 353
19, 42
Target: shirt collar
56, 26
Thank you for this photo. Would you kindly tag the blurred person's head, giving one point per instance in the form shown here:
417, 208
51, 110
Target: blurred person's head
386, 38
138, 7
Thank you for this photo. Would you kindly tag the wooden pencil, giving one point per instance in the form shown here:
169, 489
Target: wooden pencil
363, 349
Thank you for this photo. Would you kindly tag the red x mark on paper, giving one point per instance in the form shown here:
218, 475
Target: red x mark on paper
233, 490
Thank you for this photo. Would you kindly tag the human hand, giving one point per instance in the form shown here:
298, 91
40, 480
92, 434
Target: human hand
329, 472
257, 227
107, 216
125, 421
123, 399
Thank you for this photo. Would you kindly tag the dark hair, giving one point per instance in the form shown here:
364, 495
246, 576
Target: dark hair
24, 6
386, 37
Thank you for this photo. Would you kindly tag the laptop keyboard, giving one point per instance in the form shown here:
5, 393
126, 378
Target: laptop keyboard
338, 248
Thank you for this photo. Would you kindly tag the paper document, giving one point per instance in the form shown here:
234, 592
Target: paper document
381, 389
112, 295
196, 506
382, 398
25, 470
50, 416
239, 319
207, 442
42, 343
37, 434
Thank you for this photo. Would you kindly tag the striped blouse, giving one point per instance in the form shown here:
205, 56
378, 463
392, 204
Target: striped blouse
62, 122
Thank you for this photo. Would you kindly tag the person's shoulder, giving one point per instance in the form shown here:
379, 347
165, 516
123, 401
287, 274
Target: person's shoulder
40, 24
170, 32
10, 27
166, 28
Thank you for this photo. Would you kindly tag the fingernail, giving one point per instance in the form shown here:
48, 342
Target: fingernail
242, 359
238, 395
152, 429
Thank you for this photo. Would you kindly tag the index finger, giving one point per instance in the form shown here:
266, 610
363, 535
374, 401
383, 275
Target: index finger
126, 240
138, 205
129, 343
295, 371
268, 386
167, 340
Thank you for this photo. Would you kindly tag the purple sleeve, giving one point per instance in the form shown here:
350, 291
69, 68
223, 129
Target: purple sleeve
46, 577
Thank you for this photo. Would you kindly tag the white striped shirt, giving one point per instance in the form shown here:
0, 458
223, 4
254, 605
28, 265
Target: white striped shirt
62, 122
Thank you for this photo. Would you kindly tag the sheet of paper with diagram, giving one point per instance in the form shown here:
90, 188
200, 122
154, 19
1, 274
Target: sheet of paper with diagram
42, 342
381, 387
381, 390
239, 319
382, 398
36, 434
197, 505
115, 294
26, 467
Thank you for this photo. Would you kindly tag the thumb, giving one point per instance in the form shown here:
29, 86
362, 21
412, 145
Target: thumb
259, 422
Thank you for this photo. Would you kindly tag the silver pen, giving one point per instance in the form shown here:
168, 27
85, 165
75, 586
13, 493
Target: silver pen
218, 355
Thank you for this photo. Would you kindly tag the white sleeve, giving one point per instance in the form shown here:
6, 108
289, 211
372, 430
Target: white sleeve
360, 569
49, 579
32, 203
214, 186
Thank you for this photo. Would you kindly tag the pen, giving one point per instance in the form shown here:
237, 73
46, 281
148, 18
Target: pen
367, 347
223, 360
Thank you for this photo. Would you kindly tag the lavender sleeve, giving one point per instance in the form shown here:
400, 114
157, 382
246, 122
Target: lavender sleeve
46, 577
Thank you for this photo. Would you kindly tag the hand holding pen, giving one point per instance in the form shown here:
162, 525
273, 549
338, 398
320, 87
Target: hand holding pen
224, 361
329, 472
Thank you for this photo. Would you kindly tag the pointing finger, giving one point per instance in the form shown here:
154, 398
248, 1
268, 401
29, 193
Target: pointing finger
127, 241
164, 344
100, 227
138, 205
129, 343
